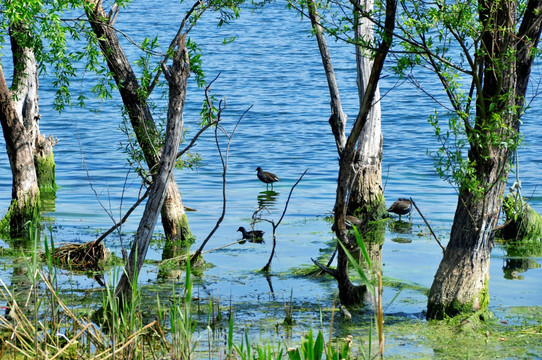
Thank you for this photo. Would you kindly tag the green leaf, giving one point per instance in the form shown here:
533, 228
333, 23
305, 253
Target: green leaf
363, 248
318, 346
364, 279
294, 354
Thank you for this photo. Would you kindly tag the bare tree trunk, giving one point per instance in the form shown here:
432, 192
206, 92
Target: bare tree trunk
366, 197
175, 226
177, 76
461, 282
20, 122
349, 294
174, 218
25, 191
25, 91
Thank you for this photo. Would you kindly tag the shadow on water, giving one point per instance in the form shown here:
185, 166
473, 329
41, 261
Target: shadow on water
520, 257
513, 267
270, 283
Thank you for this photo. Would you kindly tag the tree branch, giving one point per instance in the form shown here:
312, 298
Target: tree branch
198, 252
267, 266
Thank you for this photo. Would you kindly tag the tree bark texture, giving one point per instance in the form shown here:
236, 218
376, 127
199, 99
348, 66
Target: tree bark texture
349, 157
366, 196
177, 76
461, 282
338, 118
24, 191
25, 92
174, 218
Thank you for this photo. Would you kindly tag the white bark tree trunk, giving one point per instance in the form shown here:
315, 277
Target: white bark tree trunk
25, 90
346, 146
366, 197
25, 191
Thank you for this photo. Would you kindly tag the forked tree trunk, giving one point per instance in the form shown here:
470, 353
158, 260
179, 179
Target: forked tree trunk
349, 156
461, 282
177, 76
174, 218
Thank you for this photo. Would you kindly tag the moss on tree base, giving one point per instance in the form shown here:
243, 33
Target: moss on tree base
15, 224
45, 170
478, 305
523, 223
373, 211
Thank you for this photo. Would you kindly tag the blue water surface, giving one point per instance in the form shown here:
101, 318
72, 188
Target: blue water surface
273, 67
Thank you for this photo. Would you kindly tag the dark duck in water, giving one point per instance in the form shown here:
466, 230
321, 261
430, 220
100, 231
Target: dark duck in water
252, 236
266, 177
401, 207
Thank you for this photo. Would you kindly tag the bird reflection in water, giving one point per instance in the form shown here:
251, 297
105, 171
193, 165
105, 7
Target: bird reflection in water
400, 227
267, 199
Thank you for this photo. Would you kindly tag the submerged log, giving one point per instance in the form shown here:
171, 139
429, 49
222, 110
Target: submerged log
522, 223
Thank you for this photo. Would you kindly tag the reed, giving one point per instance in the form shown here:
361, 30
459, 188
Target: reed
38, 324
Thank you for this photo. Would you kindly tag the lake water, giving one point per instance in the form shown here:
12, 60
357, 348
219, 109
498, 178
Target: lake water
273, 66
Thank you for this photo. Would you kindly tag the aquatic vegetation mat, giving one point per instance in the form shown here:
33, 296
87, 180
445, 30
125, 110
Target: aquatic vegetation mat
81, 257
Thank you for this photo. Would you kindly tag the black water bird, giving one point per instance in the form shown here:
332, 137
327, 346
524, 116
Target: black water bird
352, 220
252, 236
401, 207
266, 177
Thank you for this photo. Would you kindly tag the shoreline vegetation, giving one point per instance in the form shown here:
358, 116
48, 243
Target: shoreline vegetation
39, 320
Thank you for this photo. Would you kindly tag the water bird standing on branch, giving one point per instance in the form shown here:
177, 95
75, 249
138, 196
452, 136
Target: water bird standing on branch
401, 207
253, 235
266, 177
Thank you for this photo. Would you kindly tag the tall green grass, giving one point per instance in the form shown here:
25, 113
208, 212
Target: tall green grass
38, 324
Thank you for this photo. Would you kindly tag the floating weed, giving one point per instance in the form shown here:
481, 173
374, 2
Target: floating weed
37, 323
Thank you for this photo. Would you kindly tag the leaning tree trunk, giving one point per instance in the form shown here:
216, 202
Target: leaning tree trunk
177, 76
25, 90
349, 294
25, 191
366, 196
174, 218
461, 282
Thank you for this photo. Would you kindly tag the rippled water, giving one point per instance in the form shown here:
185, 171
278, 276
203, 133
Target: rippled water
273, 66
